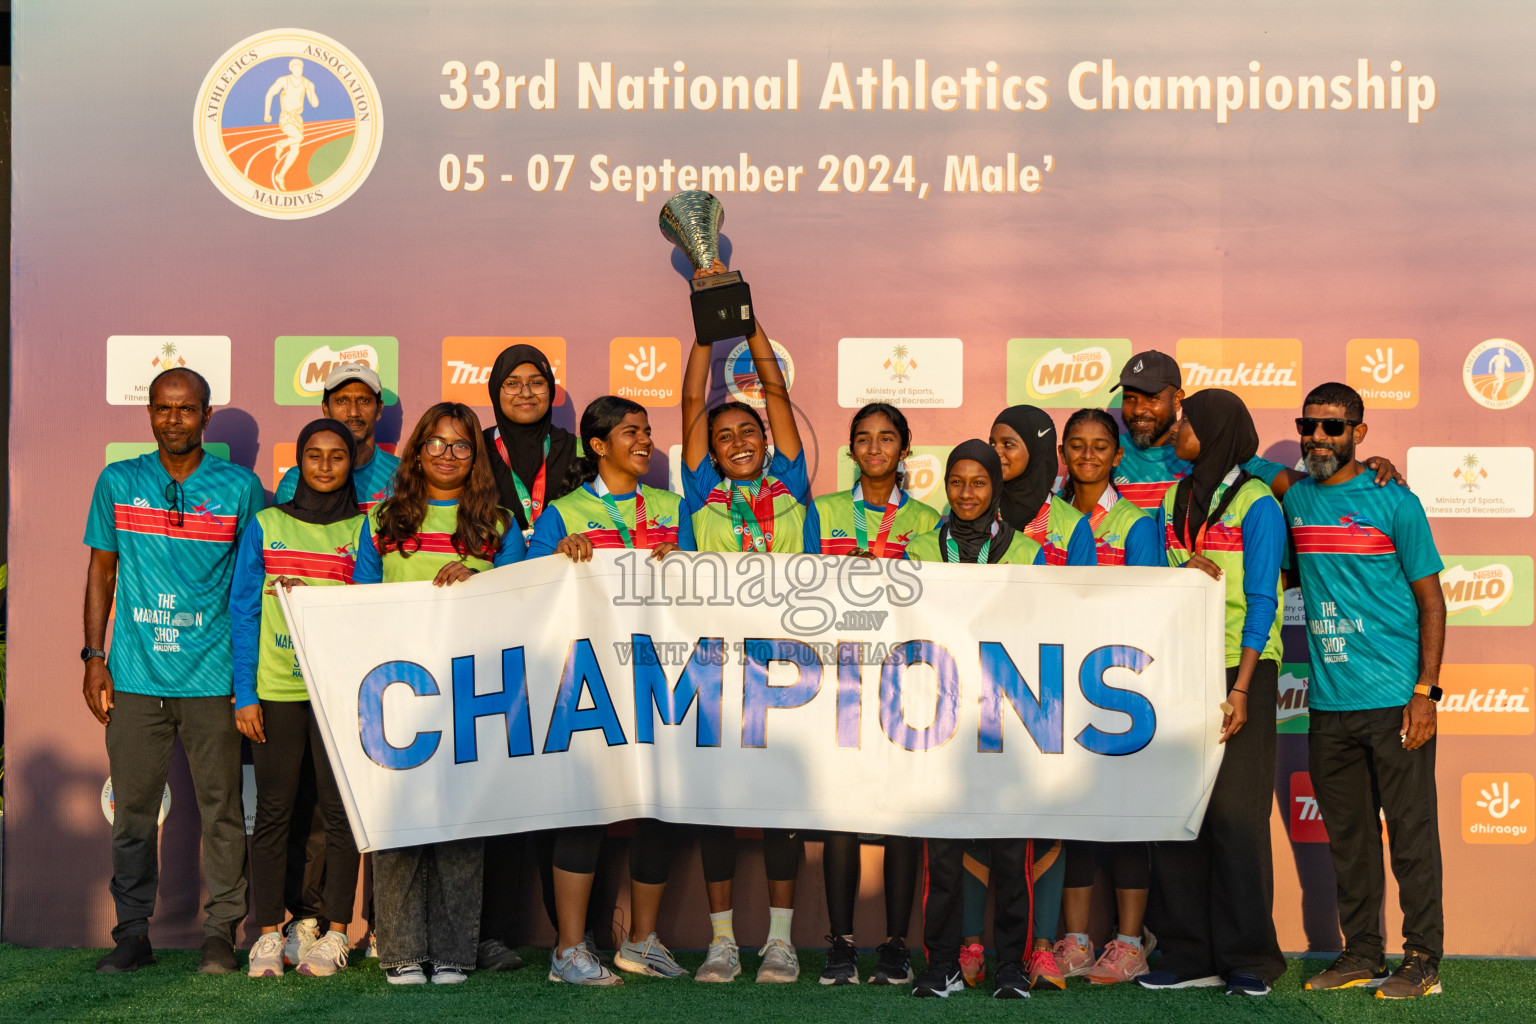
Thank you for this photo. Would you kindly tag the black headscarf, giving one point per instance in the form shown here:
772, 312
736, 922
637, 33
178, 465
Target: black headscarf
310, 506
1025, 494
971, 534
525, 441
1228, 439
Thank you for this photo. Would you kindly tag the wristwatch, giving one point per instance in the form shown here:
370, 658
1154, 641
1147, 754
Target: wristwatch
1434, 693
87, 653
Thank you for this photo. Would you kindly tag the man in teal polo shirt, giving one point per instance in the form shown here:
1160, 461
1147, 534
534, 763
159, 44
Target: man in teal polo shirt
1370, 580
163, 530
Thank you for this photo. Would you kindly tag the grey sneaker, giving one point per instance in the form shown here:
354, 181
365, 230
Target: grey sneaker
303, 932
648, 957
325, 957
494, 955
721, 963
267, 956
780, 964
576, 966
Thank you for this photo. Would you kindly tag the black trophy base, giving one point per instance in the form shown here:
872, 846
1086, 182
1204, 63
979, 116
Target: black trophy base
722, 308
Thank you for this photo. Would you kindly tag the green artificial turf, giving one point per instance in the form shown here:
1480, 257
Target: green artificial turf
44, 986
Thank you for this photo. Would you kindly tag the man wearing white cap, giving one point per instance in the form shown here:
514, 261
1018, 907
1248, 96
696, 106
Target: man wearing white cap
354, 395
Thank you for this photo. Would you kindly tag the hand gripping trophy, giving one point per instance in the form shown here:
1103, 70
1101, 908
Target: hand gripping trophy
722, 302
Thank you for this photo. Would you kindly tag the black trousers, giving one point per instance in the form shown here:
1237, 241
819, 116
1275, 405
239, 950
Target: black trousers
1012, 862
781, 853
1359, 770
292, 732
841, 860
1215, 894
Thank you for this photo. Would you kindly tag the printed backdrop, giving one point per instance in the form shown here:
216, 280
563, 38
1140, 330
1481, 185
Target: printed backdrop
952, 208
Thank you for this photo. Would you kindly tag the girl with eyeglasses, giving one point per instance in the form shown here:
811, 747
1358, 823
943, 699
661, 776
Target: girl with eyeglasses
442, 523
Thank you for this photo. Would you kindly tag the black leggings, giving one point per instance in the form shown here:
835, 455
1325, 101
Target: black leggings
577, 850
781, 853
1127, 865
840, 862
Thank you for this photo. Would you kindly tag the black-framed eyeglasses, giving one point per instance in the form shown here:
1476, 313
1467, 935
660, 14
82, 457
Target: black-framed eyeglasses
537, 386
174, 516
435, 446
1306, 426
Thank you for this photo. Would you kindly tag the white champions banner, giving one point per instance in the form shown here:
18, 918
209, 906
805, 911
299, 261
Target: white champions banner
803, 691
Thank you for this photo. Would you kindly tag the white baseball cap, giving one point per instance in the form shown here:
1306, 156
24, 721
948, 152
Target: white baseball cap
345, 373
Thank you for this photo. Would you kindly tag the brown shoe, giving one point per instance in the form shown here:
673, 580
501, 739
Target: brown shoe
1350, 970
1416, 976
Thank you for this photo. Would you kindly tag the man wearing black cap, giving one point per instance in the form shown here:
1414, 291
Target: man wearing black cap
1153, 388
354, 395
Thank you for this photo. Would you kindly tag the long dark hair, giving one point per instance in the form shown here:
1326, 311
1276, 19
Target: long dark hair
1103, 419
598, 420
481, 522
898, 420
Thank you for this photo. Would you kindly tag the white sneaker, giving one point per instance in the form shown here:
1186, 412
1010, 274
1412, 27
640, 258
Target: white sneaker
780, 964
267, 956
448, 975
325, 957
721, 963
303, 932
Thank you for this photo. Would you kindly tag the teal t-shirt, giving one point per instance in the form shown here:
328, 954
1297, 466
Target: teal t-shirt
1358, 546
176, 556
1145, 474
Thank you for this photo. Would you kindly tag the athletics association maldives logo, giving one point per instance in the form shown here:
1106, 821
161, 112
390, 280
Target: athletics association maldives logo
741, 374
1497, 374
288, 124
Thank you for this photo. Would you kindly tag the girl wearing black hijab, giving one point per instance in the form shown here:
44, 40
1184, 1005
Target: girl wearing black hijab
1217, 891
1025, 440
530, 455
974, 533
310, 540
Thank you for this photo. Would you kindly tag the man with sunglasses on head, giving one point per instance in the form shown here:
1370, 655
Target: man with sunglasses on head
354, 395
163, 530
1370, 580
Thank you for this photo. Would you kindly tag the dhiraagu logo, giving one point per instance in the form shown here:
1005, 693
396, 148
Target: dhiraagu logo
301, 364
1484, 590
1065, 373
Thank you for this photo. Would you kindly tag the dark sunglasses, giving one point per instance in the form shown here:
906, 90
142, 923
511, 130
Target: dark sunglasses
1306, 426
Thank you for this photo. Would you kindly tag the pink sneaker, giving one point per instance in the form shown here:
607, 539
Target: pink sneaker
1043, 972
1120, 962
1074, 958
973, 964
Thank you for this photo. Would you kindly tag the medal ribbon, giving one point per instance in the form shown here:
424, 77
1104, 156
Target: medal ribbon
747, 518
533, 504
887, 520
638, 540
952, 550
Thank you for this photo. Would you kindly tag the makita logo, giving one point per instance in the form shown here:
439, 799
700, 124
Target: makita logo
1499, 701
468, 373
1258, 375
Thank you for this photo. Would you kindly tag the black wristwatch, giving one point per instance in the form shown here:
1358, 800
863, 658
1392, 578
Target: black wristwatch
87, 653
1434, 693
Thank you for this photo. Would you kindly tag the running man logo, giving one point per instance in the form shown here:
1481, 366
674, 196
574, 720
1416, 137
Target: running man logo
1486, 700
1487, 591
287, 124
467, 363
1065, 373
1264, 372
646, 370
1291, 713
301, 365
1384, 370
1497, 374
741, 373
1306, 820
1498, 807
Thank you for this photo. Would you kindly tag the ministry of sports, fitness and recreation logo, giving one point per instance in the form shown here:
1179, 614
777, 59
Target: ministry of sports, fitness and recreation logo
288, 123
1497, 374
741, 374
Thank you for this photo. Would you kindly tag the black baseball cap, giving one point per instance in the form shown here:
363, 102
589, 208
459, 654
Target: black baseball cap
1150, 372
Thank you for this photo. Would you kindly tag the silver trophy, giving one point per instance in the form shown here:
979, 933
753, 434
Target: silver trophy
722, 303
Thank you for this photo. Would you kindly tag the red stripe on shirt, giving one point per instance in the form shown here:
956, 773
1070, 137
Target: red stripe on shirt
310, 564
722, 496
157, 521
1219, 537
654, 535
1341, 540
1108, 554
848, 545
1145, 495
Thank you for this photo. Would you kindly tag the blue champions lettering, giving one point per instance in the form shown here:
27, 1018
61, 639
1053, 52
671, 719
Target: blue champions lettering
582, 673
757, 696
1041, 716
702, 677
850, 694
1133, 705
510, 702
947, 704
370, 715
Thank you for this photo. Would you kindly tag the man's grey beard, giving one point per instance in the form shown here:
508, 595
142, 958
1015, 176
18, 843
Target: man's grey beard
1142, 437
1323, 467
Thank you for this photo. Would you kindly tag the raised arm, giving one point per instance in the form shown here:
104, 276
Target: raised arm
695, 397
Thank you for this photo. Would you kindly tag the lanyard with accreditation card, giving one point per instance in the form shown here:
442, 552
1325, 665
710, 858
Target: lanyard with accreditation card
747, 519
887, 520
638, 540
533, 504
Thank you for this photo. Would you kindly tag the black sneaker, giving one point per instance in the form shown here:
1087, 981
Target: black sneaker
842, 962
218, 956
1417, 975
494, 955
1349, 971
1012, 980
130, 953
939, 980
894, 966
